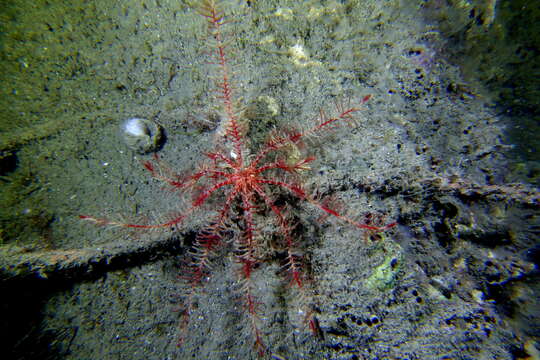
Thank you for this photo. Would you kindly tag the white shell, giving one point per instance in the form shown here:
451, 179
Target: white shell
141, 135
134, 127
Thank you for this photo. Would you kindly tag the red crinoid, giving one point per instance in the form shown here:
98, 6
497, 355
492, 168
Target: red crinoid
246, 184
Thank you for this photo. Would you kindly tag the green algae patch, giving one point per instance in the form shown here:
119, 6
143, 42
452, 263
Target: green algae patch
385, 276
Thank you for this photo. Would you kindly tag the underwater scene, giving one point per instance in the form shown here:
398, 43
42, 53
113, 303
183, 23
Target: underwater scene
277, 179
